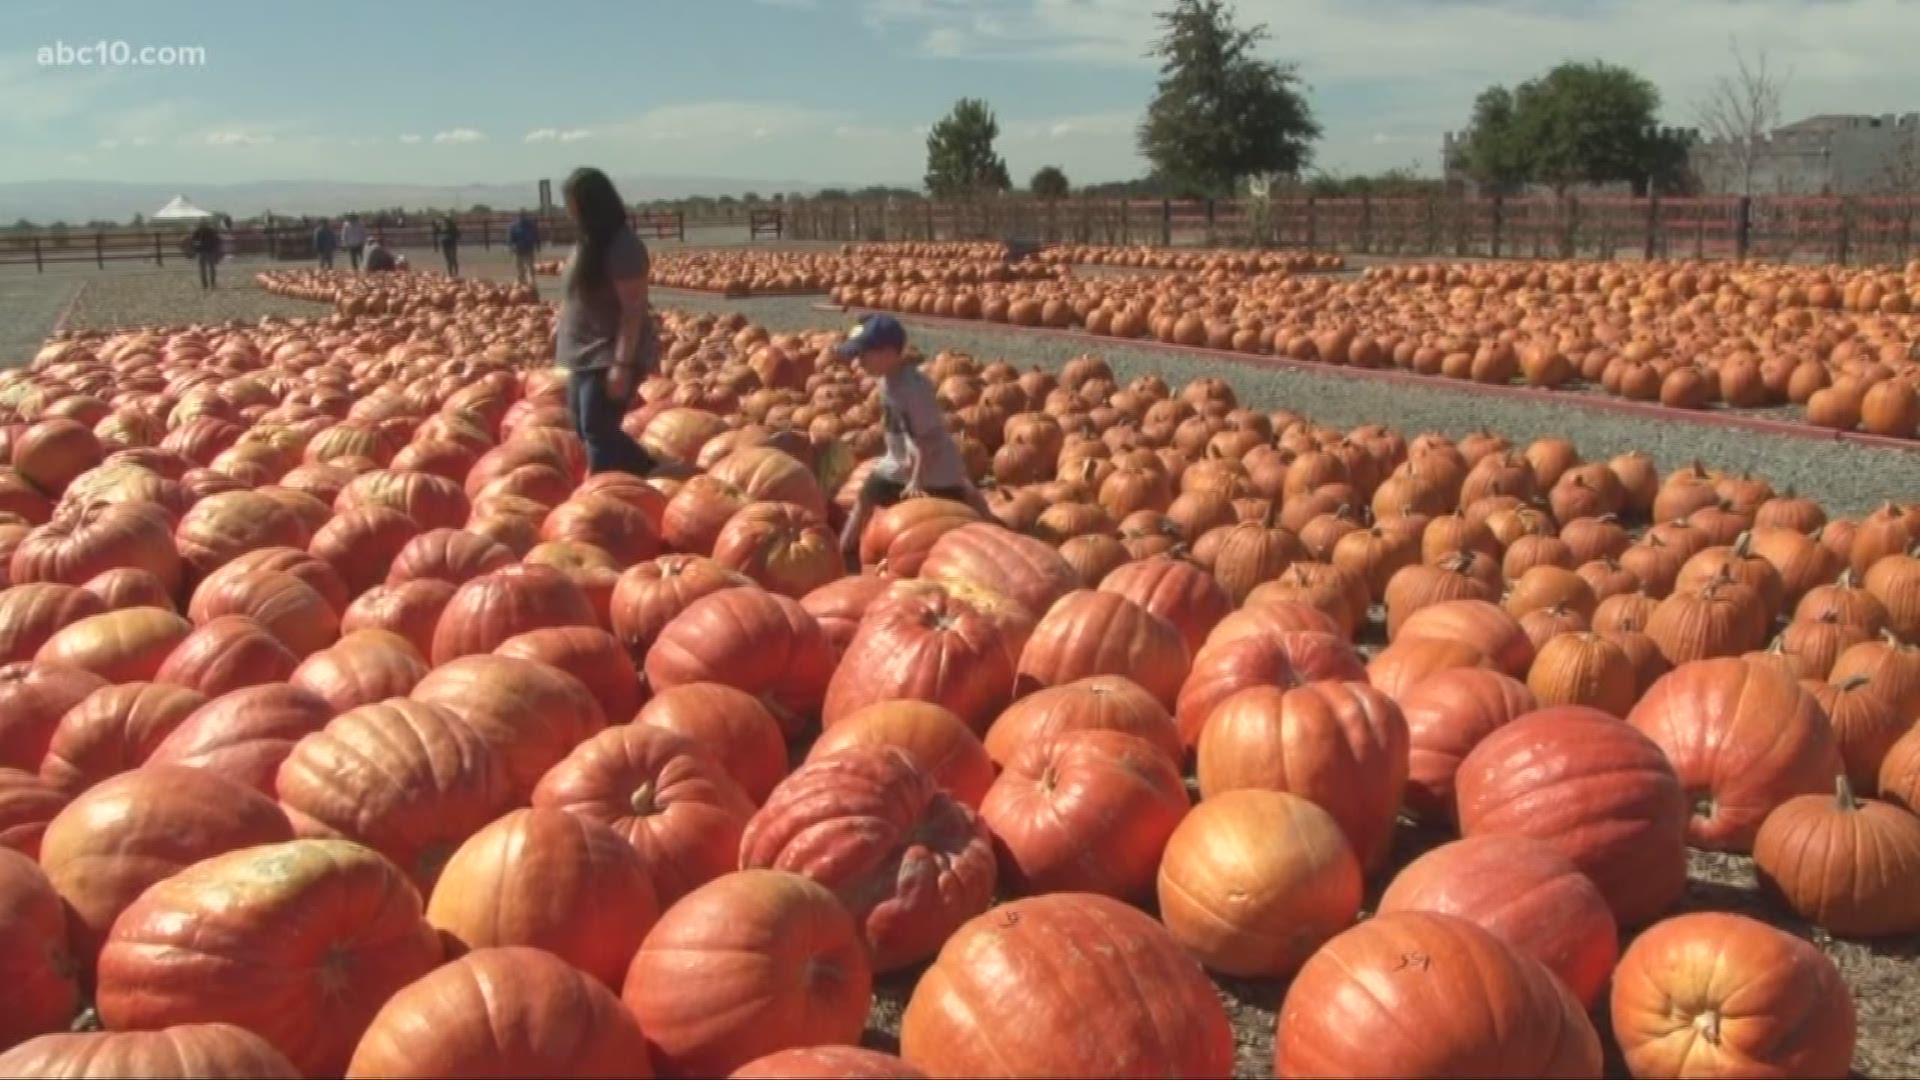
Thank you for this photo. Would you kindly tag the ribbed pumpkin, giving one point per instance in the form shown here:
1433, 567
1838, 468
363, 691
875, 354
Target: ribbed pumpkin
493, 607
1089, 632
1478, 623
937, 740
1102, 702
1176, 589
1721, 618
986, 556
180, 1052
246, 734
1284, 659
731, 725
752, 640
922, 641
1341, 744
1584, 669
1253, 552
528, 713
1453, 577
1447, 715
1743, 738
41, 992
900, 536
1844, 864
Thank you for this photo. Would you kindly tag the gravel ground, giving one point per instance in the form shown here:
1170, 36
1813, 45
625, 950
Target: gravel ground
1848, 479
1884, 977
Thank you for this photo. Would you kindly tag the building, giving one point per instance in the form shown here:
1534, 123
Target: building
1821, 155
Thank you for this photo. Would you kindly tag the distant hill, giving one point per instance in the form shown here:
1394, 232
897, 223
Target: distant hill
76, 201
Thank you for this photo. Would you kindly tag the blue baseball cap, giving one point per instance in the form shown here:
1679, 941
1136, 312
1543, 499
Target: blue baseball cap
874, 332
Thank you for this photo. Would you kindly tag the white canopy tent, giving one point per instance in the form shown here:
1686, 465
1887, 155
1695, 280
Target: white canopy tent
180, 210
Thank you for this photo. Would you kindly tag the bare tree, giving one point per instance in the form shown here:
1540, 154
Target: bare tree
1738, 115
1900, 172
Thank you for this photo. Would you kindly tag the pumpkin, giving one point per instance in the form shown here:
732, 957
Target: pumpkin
1485, 1008
408, 779
662, 792
1109, 702
1177, 590
32, 614
1448, 713
749, 964
752, 640
589, 654
126, 833
226, 525
181, 1052
1525, 893
1263, 616
1089, 633
1253, 552
1084, 811
364, 667
1405, 664
246, 734
229, 653
491, 608
530, 714
455, 556
828, 1063
779, 546
732, 726
869, 823
616, 526
1584, 669
1844, 864
291, 610
647, 596
298, 942
1342, 745
1604, 795
41, 992
27, 803
1716, 994
1743, 738
1865, 726
410, 610
1245, 905
1283, 660
1009, 996
362, 545
924, 642
119, 646
96, 538
1476, 623
900, 536
550, 880
1456, 576
986, 556
1899, 773
841, 605
937, 740
502, 1011
1721, 618
1894, 667
33, 699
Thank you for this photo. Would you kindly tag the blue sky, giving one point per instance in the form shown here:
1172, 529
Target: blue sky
421, 91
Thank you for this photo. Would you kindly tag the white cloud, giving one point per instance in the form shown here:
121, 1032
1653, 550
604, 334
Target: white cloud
140, 140
540, 135
236, 138
410, 138
575, 135
109, 144
458, 135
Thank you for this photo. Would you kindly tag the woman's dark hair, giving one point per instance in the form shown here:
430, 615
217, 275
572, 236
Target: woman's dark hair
598, 213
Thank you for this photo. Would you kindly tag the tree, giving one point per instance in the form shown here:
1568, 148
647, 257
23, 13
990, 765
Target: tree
960, 155
1580, 122
1049, 183
1222, 114
1900, 171
1739, 114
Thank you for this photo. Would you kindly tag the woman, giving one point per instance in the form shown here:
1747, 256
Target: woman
604, 337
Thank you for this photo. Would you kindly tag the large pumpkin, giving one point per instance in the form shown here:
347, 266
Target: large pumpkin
1528, 894
937, 740
1066, 984
664, 794
32, 614
122, 835
731, 725
245, 735
779, 546
827, 1063
407, 779
986, 556
224, 526
766, 474
1084, 811
606, 521
1341, 745
119, 646
589, 654
752, 640
899, 537
410, 610
532, 714
455, 556
922, 641
33, 699
181, 1052
648, 596
1744, 738
291, 610
751, 963
1284, 659
841, 605
489, 609
1844, 864
1601, 793
85, 542
362, 544
1102, 702
1717, 994
299, 942
1483, 625
550, 880
41, 988
231, 652
1246, 904
364, 667
1481, 1007
908, 860
1176, 589
27, 803
1090, 632
1448, 713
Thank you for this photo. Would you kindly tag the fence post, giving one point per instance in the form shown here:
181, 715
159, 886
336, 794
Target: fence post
1313, 223
1366, 223
99, 253
37, 267
1843, 244
1570, 238
1653, 226
928, 205
1433, 225
1166, 222
1210, 220
159, 259
1499, 212
1742, 227
486, 234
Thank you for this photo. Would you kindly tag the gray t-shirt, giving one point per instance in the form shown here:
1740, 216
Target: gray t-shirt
589, 323
910, 414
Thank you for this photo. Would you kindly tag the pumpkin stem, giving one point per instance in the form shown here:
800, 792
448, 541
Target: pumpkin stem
1267, 519
1843, 799
1854, 683
643, 800
1743, 544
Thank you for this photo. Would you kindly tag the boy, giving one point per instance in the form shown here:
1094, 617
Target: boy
921, 457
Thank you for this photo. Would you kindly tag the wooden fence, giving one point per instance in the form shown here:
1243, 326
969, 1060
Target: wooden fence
1858, 230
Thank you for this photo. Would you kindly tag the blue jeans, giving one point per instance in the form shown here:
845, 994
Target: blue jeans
596, 417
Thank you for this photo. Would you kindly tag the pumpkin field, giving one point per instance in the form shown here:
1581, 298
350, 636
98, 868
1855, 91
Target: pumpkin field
350, 727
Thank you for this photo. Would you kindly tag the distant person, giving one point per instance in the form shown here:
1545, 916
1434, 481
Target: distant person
353, 237
523, 239
605, 336
324, 243
206, 245
450, 244
380, 258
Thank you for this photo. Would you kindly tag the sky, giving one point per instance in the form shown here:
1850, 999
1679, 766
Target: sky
823, 91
